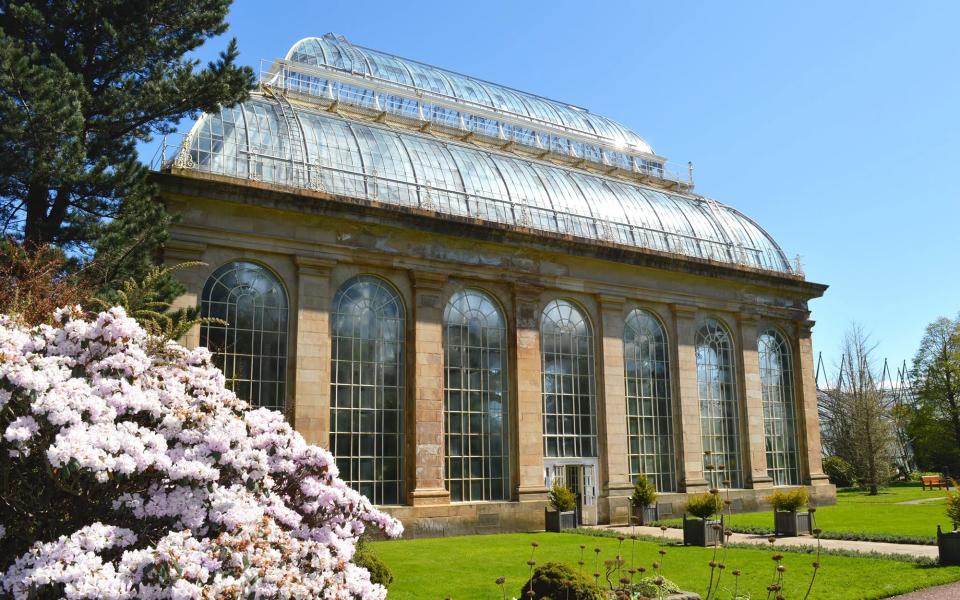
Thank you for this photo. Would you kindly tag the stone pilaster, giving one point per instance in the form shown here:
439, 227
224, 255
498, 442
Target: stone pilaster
311, 350
528, 392
755, 464
686, 395
427, 385
174, 253
808, 416
615, 484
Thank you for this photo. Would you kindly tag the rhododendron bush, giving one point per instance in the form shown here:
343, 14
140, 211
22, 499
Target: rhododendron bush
128, 470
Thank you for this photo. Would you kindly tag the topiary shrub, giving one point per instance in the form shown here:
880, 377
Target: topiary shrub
644, 493
789, 500
705, 505
365, 557
654, 587
561, 498
557, 580
839, 471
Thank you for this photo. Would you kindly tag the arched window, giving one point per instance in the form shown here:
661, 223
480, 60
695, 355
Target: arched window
649, 406
719, 406
569, 399
366, 395
251, 349
779, 410
475, 407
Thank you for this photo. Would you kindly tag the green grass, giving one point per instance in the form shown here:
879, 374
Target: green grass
860, 516
467, 567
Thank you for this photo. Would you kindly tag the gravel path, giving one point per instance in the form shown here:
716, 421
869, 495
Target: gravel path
951, 591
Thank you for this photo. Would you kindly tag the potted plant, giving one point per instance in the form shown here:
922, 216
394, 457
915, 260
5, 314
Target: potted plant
642, 501
706, 529
786, 520
949, 543
563, 502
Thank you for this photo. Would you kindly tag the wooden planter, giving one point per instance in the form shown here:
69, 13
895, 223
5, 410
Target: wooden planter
701, 532
949, 546
791, 523
645, 515
558, 521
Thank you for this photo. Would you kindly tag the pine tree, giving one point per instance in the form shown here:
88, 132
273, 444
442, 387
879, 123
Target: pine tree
81, 83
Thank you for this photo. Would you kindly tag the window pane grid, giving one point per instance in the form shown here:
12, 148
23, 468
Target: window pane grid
251, 349
366, 396
649, 403
569, 399
719, 406
779, 410
475, 400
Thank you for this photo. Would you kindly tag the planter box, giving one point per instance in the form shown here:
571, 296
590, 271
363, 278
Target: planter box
558, 521
791, 523
645, 515
949, 546
701, 532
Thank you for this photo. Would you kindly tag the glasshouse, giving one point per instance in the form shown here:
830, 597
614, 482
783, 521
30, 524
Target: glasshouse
468, 292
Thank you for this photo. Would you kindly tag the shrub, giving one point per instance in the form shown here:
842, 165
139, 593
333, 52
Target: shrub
561, 498
705, 505
644, 493
557, 580
839, 471
379, 571
789, 500
953, 505
648, 587
139, 474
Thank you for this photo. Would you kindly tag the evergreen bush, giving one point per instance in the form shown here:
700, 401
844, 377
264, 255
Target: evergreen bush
561, 498
789, 500
839, 471
644, 493
557, 580
953, 506
705, 505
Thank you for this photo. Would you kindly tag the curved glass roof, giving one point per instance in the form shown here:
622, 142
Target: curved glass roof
268, 139
336, 52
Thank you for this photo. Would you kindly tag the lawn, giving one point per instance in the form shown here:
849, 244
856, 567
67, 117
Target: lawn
467, 567
858, 515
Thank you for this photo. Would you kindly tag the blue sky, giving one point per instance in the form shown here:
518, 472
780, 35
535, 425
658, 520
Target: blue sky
836, 128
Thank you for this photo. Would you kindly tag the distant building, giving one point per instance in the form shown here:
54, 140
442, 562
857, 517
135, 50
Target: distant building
467, 292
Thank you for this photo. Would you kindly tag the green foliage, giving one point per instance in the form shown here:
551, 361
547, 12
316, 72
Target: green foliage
557, 580
143, 301
80, 85
644, 493
561, 498
789, 500
649, 587
705, 505
933, 420
953, 505
365, 557
839, 471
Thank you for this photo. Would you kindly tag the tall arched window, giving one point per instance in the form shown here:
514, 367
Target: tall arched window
569, 397
779, 410
649, 407
251, 349
719, 406
366, 396
475, 406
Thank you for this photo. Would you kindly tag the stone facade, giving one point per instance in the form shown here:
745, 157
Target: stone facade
313, 242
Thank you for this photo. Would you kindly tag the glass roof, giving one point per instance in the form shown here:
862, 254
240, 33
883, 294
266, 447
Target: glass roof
268, 139
334, 51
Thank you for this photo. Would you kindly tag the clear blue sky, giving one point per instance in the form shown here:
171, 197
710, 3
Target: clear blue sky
834, 126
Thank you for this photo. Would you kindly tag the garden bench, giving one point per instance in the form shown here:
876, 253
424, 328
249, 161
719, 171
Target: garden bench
933, 481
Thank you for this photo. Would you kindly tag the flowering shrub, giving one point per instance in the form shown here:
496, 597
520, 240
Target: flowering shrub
128, 470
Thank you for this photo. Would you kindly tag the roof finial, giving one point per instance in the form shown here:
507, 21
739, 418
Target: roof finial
690, 172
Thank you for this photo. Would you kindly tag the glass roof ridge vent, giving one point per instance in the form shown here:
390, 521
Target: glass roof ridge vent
334, 51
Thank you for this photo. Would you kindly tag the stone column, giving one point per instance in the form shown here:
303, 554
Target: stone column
686, 396
808, 417
755, 453
174, 253
528, 392
427, 384
615, 484
311, 350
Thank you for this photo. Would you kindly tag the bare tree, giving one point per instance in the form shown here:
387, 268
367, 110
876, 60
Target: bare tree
855, 414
